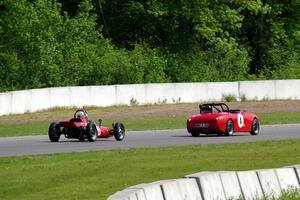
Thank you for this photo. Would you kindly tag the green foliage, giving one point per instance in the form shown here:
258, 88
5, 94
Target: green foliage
229, 97
290, 194
243, 98
46, 43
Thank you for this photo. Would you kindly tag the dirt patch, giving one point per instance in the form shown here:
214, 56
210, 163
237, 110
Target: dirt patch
150, 111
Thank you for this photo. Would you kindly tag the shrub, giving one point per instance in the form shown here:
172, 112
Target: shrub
229, 97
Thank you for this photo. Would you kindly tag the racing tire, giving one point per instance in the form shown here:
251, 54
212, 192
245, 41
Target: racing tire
81, 138
255, 127
229, 128
91, 132
195, 134
119, 131
54, 132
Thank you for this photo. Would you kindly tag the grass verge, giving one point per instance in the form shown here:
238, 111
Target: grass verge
96, 175
40, 128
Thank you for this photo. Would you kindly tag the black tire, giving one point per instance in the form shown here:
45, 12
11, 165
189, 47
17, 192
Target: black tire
81, 138
91, 132
54, 132
229, 128
119, 131
255, 127
195, 134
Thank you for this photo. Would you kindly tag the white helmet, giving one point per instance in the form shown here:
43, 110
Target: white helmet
80, 114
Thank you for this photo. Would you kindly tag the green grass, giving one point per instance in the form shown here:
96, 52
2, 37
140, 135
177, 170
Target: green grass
96, 175
40, 128
279, 118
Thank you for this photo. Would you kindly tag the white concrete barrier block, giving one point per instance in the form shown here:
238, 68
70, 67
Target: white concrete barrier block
171, 190
103, 96
21, 102
130, 193
287, 89
152, 191
297, 168
231, 185
269, 183
40, 99
189, 189
132, 196
140, 194
160, 93
139, 191
190, 93
5, 103
216, 90
60, 97
128, 93
250, 185
287, 178
211, 186
120, 195
80, 96
258, 90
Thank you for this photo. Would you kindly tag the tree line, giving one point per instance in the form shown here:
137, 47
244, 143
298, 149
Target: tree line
47, 43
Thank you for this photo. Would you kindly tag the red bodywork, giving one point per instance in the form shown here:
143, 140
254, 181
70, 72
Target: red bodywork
81, 128
216, 121
81, 122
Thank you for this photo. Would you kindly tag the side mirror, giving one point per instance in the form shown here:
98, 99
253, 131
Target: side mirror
100, 122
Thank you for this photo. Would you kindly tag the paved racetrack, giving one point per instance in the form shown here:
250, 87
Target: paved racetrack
29, 145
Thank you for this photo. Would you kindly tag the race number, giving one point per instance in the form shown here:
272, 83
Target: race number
240, 120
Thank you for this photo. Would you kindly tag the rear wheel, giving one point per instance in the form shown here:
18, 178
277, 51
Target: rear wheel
195, 134
91, 132
54, 132
119, 131
229, 128
255, 127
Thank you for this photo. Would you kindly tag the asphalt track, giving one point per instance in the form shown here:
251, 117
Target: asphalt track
33, 145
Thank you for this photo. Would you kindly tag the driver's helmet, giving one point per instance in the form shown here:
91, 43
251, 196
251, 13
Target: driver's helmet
206, 109
80, 114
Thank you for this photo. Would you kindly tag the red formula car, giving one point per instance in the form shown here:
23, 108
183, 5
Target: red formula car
81, 128
217, 118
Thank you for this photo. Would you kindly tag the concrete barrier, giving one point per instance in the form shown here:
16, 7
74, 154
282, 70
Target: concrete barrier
189, 189
250, 185
231, 185
269, 183
211, 185
287, 178
258, 91
19, 102
5, 103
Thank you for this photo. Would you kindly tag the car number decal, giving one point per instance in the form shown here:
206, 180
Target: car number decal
240, 120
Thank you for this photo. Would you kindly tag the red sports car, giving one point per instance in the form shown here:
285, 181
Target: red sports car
217, 118
80, 127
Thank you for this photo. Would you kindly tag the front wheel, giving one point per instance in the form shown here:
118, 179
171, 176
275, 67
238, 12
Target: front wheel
91, 132
229, 128
119, 131
255, 127
195, 134
54, 132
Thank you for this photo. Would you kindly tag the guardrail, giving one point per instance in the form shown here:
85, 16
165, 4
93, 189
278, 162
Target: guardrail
19, 102
224, 185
